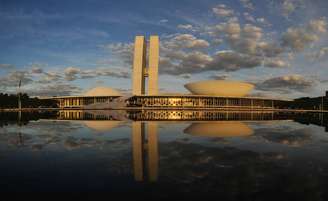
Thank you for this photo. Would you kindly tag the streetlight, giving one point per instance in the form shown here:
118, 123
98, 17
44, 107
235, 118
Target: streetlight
19, 96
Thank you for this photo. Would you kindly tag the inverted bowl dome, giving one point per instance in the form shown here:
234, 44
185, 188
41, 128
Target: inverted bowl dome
220, 88
102, 126
220, 129
102, 91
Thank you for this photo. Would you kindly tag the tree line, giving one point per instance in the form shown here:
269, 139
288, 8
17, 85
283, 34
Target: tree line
11, 101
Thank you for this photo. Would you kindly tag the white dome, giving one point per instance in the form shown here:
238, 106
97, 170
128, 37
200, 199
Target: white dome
102, 91
220, 88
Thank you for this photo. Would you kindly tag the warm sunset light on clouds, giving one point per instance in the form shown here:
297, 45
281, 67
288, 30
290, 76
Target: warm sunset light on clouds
68, 47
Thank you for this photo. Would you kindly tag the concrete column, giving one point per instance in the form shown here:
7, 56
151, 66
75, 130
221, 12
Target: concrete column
152, 151
139, 65
153, 65
138, 132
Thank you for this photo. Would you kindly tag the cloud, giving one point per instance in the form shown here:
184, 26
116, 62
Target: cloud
186, 54
247, 4
322, 53
275, 63
6, 66
49, 77
219, 76
162, 21
222, 11
298, 38
185, 41
54, 89
286, 84
288, 7
249, 17
71, 73
36, 68
123, 51
233, 61
269, 49
185, 76
184, 63
13, 78
241, 39
317, 26
186, 27
118, 73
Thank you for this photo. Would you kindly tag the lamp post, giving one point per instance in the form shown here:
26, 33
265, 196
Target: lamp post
19, 96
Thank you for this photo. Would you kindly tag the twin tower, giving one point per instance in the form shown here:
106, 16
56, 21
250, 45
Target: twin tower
143, 69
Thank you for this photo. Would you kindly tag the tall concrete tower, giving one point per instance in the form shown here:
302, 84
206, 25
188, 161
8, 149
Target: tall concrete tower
140, 71
153, 65
139, 64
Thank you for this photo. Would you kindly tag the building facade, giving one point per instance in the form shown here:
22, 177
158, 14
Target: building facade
197, 101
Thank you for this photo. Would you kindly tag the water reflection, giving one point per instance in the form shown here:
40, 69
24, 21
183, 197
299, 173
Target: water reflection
145, 151
101, 126
220, 129
237, 155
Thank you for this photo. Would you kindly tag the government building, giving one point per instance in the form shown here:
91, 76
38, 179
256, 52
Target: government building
208, 94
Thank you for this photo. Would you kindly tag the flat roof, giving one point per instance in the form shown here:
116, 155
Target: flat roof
168, 95
212, 96
60, 97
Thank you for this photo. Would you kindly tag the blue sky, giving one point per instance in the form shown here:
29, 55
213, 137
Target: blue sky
67, 47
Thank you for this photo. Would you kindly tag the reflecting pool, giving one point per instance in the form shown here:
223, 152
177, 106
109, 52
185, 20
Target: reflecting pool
229, 155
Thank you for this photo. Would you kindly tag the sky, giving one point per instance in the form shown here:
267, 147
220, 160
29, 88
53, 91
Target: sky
60, 47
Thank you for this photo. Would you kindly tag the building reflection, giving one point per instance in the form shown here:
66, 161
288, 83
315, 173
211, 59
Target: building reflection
219, 129
145, 151
202, 115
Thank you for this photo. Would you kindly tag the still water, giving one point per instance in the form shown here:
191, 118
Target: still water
231, 155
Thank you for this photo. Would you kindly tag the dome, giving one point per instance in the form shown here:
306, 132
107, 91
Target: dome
102, 126
102, 91
220, 88
220, 129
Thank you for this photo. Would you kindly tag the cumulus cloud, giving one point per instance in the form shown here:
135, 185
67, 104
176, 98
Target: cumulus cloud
183, 41
287, 83
73, 73
249, 17
185, 76
322, 53
188, 27
162, 21
54, 89
184, 63
233, 61
288, 7
124, 51
247, 4
222, 11
219, 76
275, 63
49, 77
36, 70
244, 39
13, 78
298, 38
6, 66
